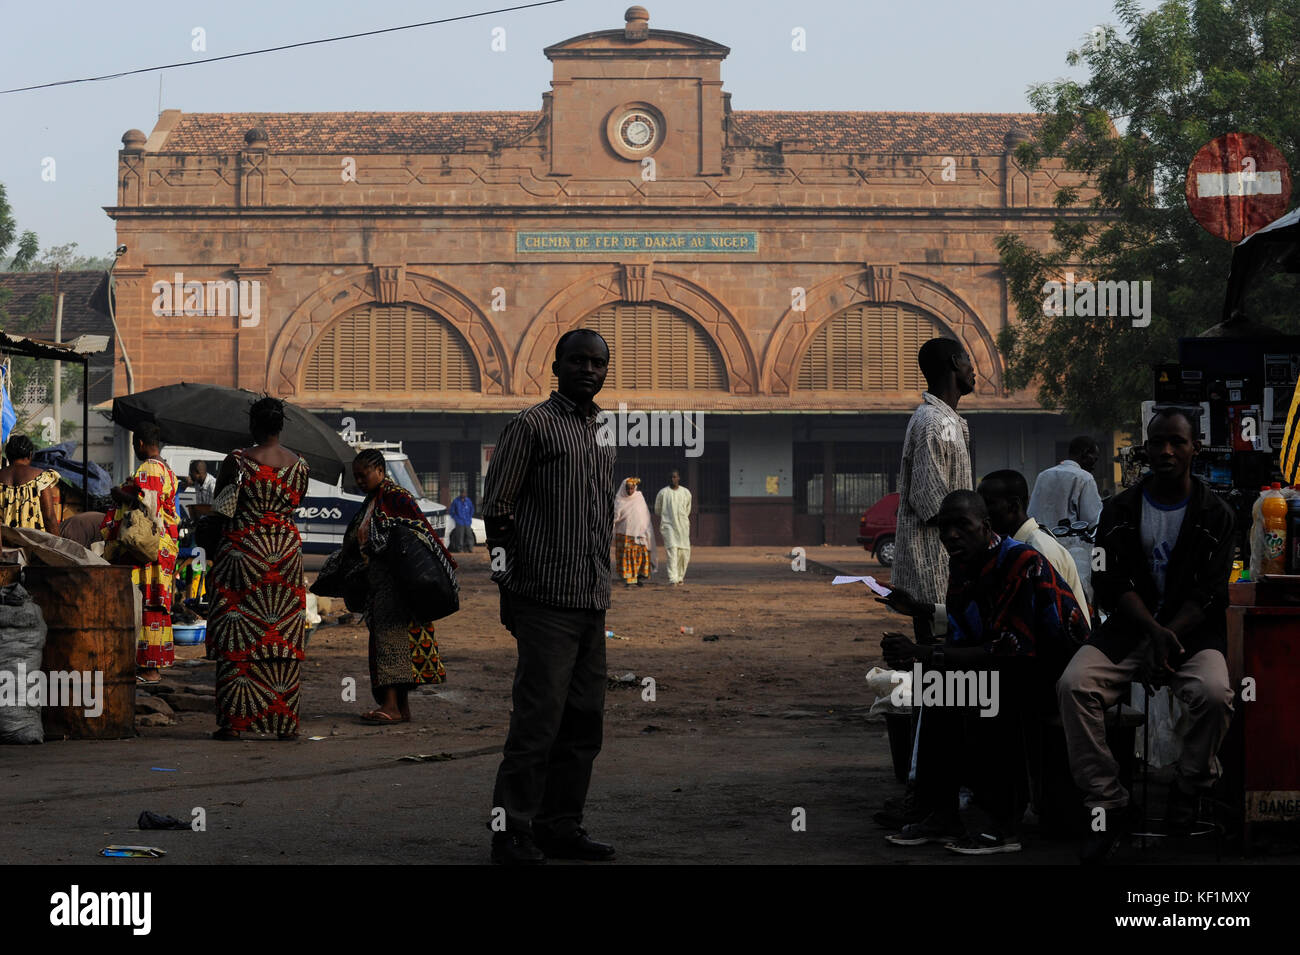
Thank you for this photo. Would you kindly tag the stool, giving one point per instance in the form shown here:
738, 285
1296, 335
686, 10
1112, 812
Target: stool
1148, 835
1058, 802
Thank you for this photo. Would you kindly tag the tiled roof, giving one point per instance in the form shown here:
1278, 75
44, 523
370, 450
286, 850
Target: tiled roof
930, 133
347, 132
79, 318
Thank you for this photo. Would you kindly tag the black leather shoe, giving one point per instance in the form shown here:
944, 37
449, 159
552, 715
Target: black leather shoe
577, 846
515, 848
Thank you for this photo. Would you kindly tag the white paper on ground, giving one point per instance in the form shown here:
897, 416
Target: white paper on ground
869, 581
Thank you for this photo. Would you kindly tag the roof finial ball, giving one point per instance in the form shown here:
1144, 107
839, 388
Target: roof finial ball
133, 141
638, 23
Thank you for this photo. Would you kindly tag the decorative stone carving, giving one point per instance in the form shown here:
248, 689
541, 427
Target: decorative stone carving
880, 282
388, 283
636, 281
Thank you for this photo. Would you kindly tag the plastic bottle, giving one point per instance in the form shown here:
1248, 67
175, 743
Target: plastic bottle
1273, 510
687, 630
1257, 535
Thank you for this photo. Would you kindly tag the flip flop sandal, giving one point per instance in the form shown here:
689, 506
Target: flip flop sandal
378, 717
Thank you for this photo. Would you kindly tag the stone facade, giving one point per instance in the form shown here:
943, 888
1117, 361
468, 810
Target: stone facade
331, 212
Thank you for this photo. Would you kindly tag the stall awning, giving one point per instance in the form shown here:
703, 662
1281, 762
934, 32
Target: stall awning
79, 349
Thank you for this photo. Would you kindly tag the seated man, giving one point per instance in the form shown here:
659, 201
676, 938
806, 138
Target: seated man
1167, 546
1013, 624
1006, 495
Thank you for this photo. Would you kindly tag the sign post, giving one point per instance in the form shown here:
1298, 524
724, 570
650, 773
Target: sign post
1237, 184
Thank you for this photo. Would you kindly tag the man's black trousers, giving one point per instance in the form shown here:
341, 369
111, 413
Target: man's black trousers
557, 720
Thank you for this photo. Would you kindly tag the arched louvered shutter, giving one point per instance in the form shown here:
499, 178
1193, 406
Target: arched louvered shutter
394, 348
657, 348
869, 347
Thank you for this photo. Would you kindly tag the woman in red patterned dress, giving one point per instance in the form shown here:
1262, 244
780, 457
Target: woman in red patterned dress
256, 629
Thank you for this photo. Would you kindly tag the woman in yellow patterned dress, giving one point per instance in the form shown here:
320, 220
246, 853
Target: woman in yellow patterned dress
153, 487
27, 495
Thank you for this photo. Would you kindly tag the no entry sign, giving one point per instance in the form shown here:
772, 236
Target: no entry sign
1237, 184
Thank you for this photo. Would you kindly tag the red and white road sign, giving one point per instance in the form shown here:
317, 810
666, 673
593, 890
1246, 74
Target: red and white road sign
1237, 184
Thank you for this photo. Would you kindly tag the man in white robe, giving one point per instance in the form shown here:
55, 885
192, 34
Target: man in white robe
673, 509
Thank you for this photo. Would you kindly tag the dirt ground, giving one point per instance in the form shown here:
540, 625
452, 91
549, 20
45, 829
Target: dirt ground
745, 729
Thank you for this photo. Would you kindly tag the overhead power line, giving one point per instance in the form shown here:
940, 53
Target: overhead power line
276, 49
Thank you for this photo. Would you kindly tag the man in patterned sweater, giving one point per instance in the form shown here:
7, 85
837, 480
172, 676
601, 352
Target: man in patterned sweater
1013, 625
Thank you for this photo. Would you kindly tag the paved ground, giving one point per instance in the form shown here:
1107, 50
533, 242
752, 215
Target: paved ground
767, 718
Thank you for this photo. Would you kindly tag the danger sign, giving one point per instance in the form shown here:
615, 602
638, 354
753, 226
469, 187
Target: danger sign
1237, 184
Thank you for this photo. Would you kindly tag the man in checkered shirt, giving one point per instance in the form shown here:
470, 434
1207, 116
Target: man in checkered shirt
936, 461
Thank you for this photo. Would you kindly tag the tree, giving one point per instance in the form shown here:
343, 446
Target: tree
26, 244
1179, 76
66, 258
25, 371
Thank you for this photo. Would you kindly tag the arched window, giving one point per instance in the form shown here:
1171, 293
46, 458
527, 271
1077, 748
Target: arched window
869, 347
390, 348
657, 348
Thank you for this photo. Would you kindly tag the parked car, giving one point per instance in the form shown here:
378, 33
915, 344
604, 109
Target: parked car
877, 528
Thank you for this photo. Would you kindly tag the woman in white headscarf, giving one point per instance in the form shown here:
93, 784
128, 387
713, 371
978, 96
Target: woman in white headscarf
634, 536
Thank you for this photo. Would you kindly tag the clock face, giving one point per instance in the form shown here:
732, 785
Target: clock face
637, 130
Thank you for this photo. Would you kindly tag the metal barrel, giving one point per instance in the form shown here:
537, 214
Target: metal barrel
90, 616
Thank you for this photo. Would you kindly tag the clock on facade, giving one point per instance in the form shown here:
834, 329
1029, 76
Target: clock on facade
634, 131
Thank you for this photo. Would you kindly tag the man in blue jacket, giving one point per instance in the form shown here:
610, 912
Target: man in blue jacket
462, 535
1165, 554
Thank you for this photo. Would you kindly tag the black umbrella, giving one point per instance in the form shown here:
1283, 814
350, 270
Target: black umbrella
216, 419
1275, 245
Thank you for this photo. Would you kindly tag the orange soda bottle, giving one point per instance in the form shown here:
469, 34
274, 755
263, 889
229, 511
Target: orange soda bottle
1273, 511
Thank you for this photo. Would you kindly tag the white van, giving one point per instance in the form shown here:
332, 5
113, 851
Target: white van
323, 514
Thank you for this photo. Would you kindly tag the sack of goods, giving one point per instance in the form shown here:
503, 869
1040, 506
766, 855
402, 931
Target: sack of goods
22, 640
425, 577
141, 535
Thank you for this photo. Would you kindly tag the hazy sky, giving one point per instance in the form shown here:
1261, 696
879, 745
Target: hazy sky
936, 55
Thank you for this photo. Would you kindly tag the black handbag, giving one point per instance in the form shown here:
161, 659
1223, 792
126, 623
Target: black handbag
426, 578
339, 577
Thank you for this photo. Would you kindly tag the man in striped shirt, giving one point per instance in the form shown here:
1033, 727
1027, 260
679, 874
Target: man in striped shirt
549, 516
